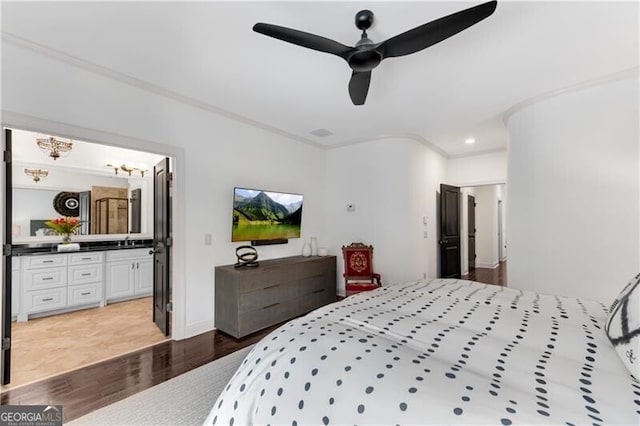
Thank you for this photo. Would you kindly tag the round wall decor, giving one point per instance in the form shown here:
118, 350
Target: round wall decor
67, 204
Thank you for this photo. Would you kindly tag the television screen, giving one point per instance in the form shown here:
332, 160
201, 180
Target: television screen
265, 215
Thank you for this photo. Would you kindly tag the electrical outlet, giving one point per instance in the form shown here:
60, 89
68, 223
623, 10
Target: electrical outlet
208, 239
426, 234
424, 275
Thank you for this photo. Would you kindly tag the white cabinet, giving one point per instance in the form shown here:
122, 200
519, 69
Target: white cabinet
129, 273
52, 282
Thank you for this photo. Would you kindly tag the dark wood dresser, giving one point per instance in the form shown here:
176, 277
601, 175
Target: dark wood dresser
250, 299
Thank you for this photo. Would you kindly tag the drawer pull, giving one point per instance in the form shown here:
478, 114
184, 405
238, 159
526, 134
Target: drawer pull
271, 286
47, 261
86, 274
48, 299
271, 305
85, 294
86, 258
317, 291
47, 278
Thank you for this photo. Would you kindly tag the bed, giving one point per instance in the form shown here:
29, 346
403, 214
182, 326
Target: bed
438, 351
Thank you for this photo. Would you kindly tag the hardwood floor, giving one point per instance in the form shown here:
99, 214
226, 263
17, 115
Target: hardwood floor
496, 276
95, 386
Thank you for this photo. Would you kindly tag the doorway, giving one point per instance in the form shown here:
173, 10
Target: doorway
118, 260
484, 223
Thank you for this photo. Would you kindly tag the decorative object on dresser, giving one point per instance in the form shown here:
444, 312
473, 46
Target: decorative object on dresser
358, 269
250, 299
306, 250
314, 246
247, 257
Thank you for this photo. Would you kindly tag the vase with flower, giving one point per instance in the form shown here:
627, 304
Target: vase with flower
65, 226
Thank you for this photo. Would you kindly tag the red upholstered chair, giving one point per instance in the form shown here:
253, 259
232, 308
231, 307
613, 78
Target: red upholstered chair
358, 269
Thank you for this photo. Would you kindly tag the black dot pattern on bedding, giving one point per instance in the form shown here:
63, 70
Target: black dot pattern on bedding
439, 351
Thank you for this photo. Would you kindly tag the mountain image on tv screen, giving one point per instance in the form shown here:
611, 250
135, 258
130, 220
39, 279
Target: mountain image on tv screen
262, 215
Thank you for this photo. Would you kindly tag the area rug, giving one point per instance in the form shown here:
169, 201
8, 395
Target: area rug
183, 400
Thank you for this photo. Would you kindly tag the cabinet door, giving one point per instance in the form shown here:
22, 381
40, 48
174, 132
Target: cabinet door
144, 276
120, 279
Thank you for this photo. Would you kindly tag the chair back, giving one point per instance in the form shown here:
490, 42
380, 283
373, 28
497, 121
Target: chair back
358, 261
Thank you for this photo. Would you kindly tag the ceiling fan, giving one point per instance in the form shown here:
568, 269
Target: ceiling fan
366, 55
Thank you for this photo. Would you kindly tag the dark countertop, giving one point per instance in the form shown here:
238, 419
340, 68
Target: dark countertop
85, 246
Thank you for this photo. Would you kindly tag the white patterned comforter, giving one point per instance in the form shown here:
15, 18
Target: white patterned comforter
440, 351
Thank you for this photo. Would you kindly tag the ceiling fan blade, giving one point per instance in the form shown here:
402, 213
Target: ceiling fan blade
303, 39
435, 31
359, 86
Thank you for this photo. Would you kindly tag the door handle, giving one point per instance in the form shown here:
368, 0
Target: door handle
152, 251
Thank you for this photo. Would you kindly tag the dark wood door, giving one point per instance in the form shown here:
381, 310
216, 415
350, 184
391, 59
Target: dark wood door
161, 245
6, 259
449, 231
136, 210
84, 205
471, 203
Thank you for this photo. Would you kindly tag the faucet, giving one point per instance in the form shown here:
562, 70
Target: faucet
126, 240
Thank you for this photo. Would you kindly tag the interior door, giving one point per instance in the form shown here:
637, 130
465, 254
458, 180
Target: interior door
6, 261
449, 231
500, 236
161, 245
471, 221
136, 210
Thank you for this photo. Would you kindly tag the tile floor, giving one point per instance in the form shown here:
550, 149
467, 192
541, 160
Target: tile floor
44, 347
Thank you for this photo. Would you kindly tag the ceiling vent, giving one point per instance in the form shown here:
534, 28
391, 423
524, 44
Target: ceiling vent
321, 133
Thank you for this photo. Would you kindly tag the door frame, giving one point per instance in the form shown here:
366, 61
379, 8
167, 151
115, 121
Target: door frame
178, 222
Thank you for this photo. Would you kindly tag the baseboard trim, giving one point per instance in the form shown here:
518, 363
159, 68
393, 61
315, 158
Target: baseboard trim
487, 265
196, 329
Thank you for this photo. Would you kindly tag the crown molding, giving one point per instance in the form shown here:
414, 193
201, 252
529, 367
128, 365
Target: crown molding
410, 136
146, 86
476, 153
622, 75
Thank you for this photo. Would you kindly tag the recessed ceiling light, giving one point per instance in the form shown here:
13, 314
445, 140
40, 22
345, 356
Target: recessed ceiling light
469, 141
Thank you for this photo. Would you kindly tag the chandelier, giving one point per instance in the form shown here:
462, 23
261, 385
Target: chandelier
54, 146
128, 167
36, 174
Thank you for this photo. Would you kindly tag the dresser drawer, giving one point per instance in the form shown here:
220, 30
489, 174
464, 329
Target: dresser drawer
36, 279
312, 285
314, 267
267, 296
45, 300
45, 261
83, 274
85, 293
266, 316
264, 278
86, 258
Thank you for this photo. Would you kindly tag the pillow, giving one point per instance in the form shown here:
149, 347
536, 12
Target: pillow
623, 326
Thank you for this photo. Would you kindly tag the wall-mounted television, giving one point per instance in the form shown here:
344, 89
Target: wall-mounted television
265, 216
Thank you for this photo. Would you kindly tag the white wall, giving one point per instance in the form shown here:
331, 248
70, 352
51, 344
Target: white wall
480, 169
574, 192
218, 154
486, 226
393, 185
